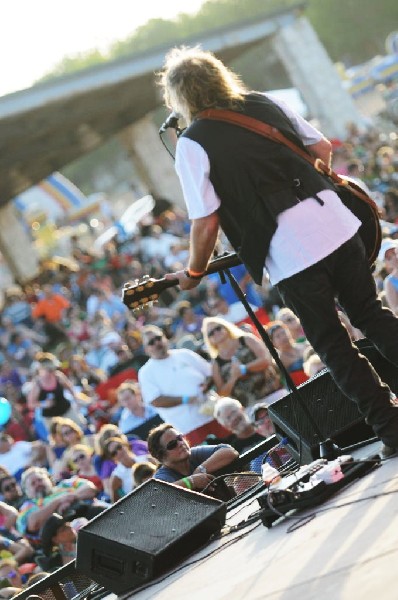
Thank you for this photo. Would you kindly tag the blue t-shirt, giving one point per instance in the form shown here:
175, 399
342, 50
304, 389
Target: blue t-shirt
198, 455
128, 421
228, 293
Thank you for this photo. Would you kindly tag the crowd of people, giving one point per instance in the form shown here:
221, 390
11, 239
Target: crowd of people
88, 380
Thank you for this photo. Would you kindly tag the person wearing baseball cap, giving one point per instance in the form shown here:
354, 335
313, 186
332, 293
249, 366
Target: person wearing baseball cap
388, 255
57, 532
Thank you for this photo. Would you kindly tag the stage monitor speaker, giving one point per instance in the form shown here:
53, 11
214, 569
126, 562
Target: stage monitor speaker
337, 417
61, 584
146, 532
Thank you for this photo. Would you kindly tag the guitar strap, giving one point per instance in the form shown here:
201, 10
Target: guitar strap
235, 118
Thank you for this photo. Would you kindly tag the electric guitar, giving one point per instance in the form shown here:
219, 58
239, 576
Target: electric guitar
140, 293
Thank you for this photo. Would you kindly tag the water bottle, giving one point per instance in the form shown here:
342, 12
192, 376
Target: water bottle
269, 475
209, 400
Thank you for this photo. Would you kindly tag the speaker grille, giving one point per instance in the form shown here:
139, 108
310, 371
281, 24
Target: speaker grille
329, 408
63, 584
335, 415
145, 533
156, 520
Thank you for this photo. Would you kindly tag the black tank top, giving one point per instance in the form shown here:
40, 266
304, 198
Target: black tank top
60, 405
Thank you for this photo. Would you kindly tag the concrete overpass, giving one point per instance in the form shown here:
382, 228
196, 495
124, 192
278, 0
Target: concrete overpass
53, 123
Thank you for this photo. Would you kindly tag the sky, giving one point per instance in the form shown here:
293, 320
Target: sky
36, 34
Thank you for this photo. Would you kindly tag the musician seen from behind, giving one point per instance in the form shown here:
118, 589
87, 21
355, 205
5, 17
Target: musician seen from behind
279, 212
182, 465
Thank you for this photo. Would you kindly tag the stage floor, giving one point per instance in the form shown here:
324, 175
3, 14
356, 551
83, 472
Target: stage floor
349, 550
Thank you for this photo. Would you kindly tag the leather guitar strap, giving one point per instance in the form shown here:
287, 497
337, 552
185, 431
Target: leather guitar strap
236, 118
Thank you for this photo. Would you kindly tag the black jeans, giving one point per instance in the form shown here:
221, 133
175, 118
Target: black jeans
345, 275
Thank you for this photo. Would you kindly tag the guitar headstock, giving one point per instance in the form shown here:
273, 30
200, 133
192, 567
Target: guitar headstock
139, 293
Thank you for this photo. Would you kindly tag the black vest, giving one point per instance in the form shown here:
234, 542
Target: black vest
255, 178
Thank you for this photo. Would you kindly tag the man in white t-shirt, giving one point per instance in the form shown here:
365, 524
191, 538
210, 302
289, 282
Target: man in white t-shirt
173, 382
279, 212
16, 456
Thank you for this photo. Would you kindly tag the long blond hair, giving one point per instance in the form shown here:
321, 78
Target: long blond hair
193, 80
233, 330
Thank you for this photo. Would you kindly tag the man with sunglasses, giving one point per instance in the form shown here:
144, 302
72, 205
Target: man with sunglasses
173, 382
182, 465
11, 492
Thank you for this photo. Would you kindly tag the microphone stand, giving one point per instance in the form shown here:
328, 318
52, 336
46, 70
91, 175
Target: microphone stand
327, 448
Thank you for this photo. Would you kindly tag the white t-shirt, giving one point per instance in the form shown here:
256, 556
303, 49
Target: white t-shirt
180, 374
18, 457
306, 233
126, 474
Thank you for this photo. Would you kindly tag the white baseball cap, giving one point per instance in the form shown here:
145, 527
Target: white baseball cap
386, 245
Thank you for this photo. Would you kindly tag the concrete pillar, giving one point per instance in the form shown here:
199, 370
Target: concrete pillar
16, 246
152, 161
313, 73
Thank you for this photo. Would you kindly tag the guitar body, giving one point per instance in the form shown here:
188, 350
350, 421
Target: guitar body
367, 213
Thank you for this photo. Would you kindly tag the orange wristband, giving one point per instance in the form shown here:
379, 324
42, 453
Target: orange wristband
194, 274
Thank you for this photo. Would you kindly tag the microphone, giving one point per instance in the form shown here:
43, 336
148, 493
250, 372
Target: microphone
171, 121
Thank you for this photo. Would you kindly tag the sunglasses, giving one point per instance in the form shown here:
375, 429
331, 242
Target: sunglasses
172, 444
116, 449
79, 457
213, 331
153, 340
10, 575
11, 486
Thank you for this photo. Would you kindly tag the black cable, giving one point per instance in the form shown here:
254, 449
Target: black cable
306, 519
165, 146
225, 475
352, 502
300, 522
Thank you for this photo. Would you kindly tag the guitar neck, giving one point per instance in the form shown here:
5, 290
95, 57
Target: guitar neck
215, 266
148, 290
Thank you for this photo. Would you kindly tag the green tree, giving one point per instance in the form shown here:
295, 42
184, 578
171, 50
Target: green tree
353, 31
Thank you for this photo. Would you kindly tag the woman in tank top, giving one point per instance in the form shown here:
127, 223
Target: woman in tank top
48, 391
242, 366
